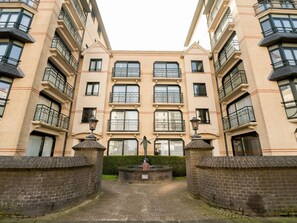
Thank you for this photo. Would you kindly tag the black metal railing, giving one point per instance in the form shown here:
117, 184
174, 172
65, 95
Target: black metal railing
123, 125
69, 24
177, 125
79, 11
124, 97
31, 3
284, 63
264, 5
126, 72
167, 72
226, 55
214, 12
57, 81
291, 108
50, 116
3, 102
221, 28
15, 25
236, 80
65, 52
243, 116
9, 60
168, 97
279, 30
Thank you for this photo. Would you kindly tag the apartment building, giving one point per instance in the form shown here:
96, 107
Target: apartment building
145, 93
254, 52
40, 58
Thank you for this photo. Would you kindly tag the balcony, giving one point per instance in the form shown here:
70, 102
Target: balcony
272, 6
55, 84
168, 98
79, 17
228, 57
244, 117
123, 125
223, 31
238, 82
278, 34
167, 74
15, 30
49, 117
124, 98
63, 57
291, 109
126, 74
216, 14
283, 69
169, 126
68, 30
9, 67
30, 5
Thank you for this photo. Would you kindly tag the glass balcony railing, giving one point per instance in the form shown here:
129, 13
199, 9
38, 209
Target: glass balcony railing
241, 117
69, 24
124, 97
79, 11
9, 60
66, 54
284, 63
169, 126
31, 3
15, 25
291, 109
264, 5
214, 12
226, 54
50, 116
220, 30
123, 125
168, 97
133, 72
167, 72
236, 80
279, 30
54, 78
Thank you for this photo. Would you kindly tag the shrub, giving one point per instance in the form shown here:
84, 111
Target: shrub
111, 163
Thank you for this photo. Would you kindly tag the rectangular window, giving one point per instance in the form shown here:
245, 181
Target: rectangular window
87, 114
92, 88
126, 69
200, 89
167, 70
40, 145
167, 94
125, 94
5, 85
123, 120
169, 147
95, 65
197, 66
124, 147
203, 114
169, 121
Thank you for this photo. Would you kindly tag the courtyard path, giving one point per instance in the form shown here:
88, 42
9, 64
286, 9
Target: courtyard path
164, 202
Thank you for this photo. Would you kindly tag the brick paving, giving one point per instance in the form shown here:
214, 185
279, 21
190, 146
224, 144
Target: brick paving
151, 203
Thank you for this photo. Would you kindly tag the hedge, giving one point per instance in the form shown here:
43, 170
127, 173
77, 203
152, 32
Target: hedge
111, 163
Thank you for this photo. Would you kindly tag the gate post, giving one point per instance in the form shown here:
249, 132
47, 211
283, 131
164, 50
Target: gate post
94, 151
194, 150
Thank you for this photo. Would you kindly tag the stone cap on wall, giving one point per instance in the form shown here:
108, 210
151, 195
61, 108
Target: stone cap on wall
30, 162
198, 144
247, 162
89, 144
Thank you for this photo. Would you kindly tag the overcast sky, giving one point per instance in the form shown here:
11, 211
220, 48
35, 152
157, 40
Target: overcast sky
147, 24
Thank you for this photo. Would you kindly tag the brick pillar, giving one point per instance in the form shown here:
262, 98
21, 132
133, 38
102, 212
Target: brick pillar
94, 151
193, 151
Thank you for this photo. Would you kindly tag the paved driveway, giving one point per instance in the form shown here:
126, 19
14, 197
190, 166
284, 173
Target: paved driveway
164, 202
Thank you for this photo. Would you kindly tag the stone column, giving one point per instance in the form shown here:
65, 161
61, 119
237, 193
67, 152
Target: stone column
193, 151
94, 151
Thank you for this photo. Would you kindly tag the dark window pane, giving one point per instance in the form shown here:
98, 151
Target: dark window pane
87, 114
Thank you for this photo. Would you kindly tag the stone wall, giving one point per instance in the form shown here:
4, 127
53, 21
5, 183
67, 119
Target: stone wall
32, 186
258, 186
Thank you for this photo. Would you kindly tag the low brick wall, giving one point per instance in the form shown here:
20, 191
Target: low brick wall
258, 186
32, 186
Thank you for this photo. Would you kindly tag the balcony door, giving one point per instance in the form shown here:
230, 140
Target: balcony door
168, 121
124, 121
125, 94
167, 94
